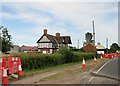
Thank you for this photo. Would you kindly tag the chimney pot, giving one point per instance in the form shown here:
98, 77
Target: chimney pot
45, 31
57, 34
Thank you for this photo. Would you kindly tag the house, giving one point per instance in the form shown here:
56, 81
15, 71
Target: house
100, 49
49, 43
89, 48
15, 49
25, 49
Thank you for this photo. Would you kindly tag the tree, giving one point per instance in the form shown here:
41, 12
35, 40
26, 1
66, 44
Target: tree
114, 47
6, 40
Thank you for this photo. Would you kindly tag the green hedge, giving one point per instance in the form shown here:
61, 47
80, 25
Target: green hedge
39, 61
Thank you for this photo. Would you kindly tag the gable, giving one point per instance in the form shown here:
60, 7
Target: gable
89, 48
44, 39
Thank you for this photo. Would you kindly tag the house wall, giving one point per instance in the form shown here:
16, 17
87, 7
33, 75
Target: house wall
44, 39
100, 52
44, 45
15, 49
89, 48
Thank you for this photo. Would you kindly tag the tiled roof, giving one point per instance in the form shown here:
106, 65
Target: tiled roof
54, 39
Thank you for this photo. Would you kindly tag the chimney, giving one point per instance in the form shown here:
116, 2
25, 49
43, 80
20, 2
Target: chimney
57, 34
45, 31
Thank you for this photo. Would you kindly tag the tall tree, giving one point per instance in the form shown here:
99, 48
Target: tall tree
6, 40
114, 47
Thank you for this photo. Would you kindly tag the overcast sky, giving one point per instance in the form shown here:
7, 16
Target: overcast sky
26, 20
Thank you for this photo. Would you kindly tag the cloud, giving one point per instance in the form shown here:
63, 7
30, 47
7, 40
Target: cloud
68, 18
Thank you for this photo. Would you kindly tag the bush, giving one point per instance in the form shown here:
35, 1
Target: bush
67, 54
39, 61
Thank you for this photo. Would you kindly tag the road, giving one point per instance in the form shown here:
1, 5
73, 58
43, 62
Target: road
106, 74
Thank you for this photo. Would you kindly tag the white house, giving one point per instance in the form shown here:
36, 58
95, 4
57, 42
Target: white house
49, 44
100, 49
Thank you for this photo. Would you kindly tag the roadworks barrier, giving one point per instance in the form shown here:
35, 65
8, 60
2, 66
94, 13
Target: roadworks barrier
9, 66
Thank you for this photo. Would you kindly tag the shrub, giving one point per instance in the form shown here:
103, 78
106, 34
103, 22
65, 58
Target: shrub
67, 54
39, 61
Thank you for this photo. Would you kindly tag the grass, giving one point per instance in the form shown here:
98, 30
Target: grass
52, 76
47, 69
71, 72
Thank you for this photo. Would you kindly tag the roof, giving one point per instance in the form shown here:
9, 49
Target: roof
60, 39
29, 47
99, 46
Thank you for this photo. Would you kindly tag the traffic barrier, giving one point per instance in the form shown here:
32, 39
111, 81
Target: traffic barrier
20, 73
10, 66
83, 63
4, 74
1, 70
95, 60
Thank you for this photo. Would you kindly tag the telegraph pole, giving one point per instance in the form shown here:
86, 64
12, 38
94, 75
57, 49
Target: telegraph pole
107, 44
78, 43
93, 32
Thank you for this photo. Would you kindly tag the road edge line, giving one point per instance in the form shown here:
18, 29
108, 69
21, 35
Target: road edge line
99, 70
103, 66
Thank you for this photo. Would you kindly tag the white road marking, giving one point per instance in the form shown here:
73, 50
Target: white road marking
91, 79
103, 66
99, 70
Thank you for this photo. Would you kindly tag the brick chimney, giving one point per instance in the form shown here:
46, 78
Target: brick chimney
45, 31
57, 34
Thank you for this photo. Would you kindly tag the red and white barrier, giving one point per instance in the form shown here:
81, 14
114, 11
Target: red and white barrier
4, 73
1, 70
20, 73
13, 65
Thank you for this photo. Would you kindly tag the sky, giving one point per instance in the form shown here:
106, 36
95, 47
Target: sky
26, 20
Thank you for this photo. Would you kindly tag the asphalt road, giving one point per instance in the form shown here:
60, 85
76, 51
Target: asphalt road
107, 73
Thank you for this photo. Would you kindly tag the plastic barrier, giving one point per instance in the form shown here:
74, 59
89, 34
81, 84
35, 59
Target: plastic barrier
13, 65
0, 67
20, 73
1, 70
4, 73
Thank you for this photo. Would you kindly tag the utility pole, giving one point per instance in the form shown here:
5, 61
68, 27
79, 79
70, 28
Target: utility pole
78, 43
93, 32
107, 44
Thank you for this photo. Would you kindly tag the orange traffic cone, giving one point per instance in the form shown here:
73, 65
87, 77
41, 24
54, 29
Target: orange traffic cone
83, 64
20, 73
95, 60
101, 57
4, 74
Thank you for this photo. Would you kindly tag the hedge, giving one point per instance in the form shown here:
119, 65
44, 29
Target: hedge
39, 61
